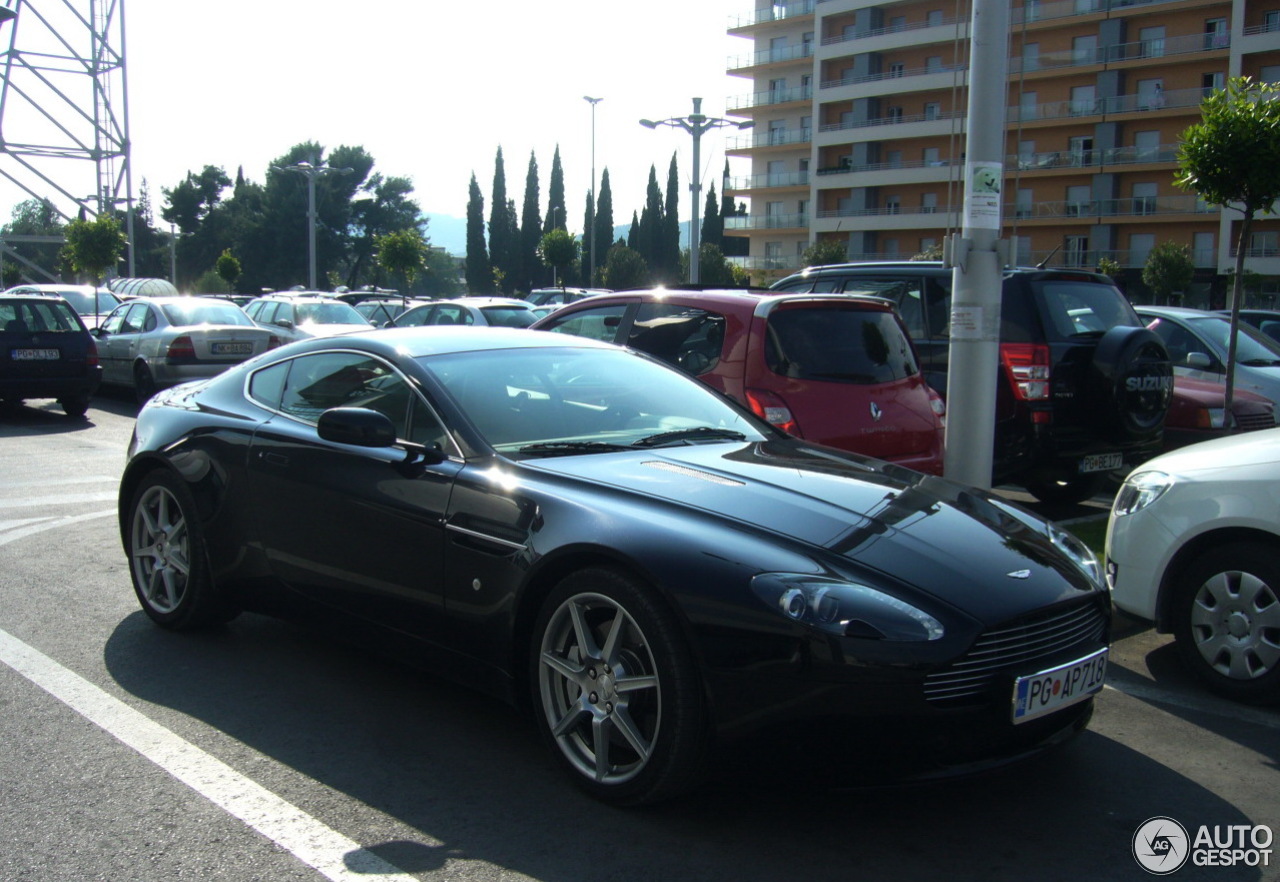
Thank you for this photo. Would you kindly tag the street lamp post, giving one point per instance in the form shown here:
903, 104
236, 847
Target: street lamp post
695, 124
312, 170
592, 258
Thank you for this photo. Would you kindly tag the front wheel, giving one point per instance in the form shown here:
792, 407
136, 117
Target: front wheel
616, 690
167, 558
1227, 621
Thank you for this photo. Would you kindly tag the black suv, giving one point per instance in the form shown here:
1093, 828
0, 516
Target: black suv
1083, 388
46, 352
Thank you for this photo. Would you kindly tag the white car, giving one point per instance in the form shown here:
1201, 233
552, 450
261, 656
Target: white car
1191, 546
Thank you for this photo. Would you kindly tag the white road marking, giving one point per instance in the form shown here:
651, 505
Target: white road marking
327, 851
63, 499
53, 524
1143, 691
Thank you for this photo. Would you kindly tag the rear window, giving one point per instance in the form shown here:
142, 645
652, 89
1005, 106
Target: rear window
839, 345
26, 316
329, 314
509, 316
1077, 310
187, 314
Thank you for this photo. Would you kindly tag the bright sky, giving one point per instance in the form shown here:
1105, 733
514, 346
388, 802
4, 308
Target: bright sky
431, 89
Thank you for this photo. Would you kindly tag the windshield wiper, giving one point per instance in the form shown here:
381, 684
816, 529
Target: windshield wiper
563, 448
699, 433
1260, 362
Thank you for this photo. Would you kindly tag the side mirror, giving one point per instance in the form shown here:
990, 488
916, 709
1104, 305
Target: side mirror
1198, 360
357, 426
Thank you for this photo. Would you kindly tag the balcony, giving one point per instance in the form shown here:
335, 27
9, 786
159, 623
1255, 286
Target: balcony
849, 167
946, 21
780, 138
776, 263
1068, 159
767, 222
1033, 11
893, 75
1052, 110
1167, 47
766, 181
770, 56
1131, 206
770, 98
776, 12
900, 119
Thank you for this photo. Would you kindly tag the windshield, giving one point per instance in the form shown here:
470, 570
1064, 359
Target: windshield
329, 314
538, 401
509, 316
1251, 344
187, 314
838, 344
83, 302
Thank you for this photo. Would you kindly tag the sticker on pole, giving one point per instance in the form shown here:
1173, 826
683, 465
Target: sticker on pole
982, 195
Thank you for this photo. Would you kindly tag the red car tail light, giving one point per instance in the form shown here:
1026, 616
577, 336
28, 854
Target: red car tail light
1027, 365
773, 410
91, 355
182, 348
274, 342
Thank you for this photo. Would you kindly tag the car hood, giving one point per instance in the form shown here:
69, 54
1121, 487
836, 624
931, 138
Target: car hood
1232, 453
963, 545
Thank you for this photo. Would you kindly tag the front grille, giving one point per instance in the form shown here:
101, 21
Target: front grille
1018, 644
1249, 422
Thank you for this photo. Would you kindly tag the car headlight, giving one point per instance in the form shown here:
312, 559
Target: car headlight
1082, 555
1140, 490
845, 609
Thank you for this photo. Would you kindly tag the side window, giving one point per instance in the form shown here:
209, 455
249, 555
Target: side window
452, 315
267, 385
685, 336
252, 309
267, 312
415, 317
598, 323
135, 319
798, 285
115, 321
149, 320
1179, 342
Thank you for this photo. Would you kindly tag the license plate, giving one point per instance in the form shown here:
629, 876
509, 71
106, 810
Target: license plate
232, 348
1101, 462
1060, 687
35, 354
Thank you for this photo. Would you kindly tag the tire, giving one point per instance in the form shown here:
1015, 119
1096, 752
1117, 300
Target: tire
167, 557
144, 385
616, 691
75, 406
1133, 384
1066, 490
1226, 621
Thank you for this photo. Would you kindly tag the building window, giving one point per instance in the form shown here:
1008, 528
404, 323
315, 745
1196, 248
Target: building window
1144, 198
894, 115
928, 203
1083, 99
893, 159
1028, 105
1024, 202
1084, 50
1031, 56
1150, 94
1080, 150
1075, 251
777, 131
897, 69
933, 17
892, 204
932, 156
1215, 33
1264, 244
933, 64
1140, 245
1271, 20
1202, 249
1212, 82
1146, 146
932, 110
1152, 42
1078, 202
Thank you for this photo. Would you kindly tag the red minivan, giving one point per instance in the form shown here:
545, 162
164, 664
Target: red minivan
834, 369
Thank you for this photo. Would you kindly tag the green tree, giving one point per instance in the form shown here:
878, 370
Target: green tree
603, 223
1109, 267
714, 268
95, 246
228, 268
556, 217
531, 268
502, 248
479, 271
558, 250
402, 253
824, 251
671, 257
712, 232
625, 268
1168, 270
35, 217
1231, 158
588, 232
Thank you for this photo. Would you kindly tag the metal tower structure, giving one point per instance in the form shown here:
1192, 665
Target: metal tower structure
64, 113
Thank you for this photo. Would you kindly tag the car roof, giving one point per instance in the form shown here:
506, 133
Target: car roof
55, 288
436, 339
759, 301
484, 300
1179, 312
36, 296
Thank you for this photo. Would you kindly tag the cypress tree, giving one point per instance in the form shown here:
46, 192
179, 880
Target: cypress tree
500, 242
588, 230
650, 240
603, 229
556, 217
633, 234
712, 223
479, 272
671, 227
532, 270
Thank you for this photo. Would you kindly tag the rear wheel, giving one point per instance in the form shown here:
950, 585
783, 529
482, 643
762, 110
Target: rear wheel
167, 557
144, 385
616, 690
1226, 619
75, 405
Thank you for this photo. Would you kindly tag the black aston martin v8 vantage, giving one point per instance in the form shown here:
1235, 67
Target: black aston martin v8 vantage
576, 527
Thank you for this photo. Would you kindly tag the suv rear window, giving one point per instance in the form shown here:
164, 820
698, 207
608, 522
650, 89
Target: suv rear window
1075, 309
21, 317
840, 345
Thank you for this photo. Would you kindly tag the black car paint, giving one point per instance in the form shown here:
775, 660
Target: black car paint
456, 555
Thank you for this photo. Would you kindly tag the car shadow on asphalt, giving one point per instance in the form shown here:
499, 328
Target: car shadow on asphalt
469, 775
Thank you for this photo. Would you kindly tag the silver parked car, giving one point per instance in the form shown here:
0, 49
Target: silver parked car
299, 315
1197, 344
501, 312
152, 342
90, 303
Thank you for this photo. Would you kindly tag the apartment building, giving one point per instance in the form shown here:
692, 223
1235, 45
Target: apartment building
859, 127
